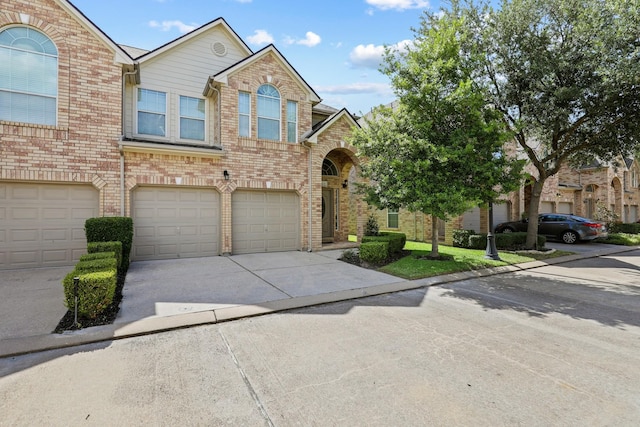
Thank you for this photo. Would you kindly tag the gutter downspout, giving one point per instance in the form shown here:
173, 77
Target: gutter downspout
122, 117
219, 124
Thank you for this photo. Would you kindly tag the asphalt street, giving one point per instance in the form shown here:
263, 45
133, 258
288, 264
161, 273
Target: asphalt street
555, 345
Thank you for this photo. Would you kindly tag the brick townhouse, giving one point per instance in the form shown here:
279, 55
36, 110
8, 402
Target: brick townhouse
210, 147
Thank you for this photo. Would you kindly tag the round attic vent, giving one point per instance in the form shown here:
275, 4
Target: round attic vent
219, 48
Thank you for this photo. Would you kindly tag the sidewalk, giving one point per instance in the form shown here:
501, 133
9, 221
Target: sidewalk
171, 294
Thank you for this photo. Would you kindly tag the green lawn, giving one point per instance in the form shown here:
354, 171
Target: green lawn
412, 267
622, 239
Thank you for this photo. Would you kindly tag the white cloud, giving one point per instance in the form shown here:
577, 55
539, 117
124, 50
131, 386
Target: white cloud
311, 40
260, 37
244, 1
370, 56
398, 4
168, 25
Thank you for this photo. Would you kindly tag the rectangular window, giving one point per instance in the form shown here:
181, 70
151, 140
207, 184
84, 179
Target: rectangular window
268, 118
191, 118
152, 112
392, 219
292, 121
244, 114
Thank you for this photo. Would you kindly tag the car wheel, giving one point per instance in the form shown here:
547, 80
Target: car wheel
508, 230
569, 237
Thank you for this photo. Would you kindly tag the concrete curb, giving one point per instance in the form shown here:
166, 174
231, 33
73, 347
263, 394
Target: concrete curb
24, 345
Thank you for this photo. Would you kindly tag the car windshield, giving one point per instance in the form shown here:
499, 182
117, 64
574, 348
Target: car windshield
579, 219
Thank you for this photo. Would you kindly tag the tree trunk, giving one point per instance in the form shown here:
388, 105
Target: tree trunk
534, 205
434, 238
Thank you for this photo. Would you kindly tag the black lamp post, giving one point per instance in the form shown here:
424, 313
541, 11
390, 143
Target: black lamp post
492, 251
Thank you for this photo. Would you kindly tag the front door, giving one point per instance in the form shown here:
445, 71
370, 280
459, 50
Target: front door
327, 215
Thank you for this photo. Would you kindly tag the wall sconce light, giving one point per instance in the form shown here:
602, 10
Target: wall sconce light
345, 183
226, 175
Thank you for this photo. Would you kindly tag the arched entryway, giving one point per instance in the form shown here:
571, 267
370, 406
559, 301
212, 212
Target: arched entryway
590, 198
339, 201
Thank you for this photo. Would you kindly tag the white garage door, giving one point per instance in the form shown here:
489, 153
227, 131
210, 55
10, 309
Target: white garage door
42, 225
265, 221
565, 207
471, 220
500, 213
546, 207
175, 222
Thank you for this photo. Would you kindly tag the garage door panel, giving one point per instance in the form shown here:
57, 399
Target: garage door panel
24, 258
170, 231
175, 222
81, 213
264, 221
53, 214
59, 234
167, 213
189, 231
24, 236
23, 214
53, 256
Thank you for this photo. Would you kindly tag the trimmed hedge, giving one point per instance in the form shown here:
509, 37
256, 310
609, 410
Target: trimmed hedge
461, 238
628, 228
396, 241
96, 291
99, 264
374, 252
108, 247
97, 255
109, 229
505, 241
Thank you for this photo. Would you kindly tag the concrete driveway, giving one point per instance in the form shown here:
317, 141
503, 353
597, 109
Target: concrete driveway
31, 301
169, 294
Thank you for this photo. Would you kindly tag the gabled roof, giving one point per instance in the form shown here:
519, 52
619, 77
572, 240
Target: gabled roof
121, 56
195, 33
313, 134
223, 76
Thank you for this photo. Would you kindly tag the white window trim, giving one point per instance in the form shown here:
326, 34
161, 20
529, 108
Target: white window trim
248, 115
389, 211
295, 138
167, 129
57, 95
258, 117
206, 114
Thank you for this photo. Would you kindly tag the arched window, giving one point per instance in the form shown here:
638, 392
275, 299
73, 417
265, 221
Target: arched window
268, 113
329, 168
28, 76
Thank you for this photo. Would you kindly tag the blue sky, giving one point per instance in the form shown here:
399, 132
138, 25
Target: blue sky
336, 46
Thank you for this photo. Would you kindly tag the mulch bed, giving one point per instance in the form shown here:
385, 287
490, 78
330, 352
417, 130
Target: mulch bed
107, 317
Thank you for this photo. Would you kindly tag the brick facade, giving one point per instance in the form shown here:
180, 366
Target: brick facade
82, 147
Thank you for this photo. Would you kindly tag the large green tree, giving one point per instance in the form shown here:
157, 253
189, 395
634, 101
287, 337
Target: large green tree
439, 151
565, 75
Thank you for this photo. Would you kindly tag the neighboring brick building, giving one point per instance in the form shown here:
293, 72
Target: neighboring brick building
211, 148
614, 186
